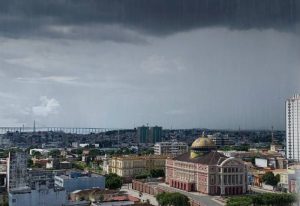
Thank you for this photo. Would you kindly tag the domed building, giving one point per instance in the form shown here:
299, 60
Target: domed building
201, 146
207, 171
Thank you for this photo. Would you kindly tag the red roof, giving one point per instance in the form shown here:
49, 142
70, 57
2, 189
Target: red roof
125, 197
120, 198
133, 199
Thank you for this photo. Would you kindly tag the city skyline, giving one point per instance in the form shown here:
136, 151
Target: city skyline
125, 67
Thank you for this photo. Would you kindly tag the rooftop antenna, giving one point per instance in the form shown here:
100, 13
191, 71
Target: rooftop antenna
273, 135
118, 137
34, 126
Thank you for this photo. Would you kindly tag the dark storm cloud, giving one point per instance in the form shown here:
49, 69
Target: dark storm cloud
155, 17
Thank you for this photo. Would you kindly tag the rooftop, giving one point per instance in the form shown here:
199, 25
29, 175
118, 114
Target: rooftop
211, 158
78, 176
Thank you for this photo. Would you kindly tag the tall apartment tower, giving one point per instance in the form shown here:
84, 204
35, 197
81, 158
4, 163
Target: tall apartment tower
16, 170
142, 134
149, 135
155, 134
293, 128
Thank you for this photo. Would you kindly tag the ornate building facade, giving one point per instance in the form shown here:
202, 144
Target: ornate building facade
207, 171
132, 165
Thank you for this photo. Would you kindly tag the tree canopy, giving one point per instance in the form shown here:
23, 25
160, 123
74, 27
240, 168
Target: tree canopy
113, 181
154, 173
174, 199
54, 153
263, 200
270, 179
36, 154
239, 201
157, 173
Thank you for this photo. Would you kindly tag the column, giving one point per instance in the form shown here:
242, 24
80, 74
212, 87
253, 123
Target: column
244, 184
222, 182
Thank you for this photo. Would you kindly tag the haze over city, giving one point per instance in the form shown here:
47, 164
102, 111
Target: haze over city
121, 65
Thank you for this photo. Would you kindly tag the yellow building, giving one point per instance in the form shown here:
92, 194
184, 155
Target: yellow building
130, 166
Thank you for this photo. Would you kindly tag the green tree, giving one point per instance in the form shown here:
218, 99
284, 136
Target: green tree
29, 163
243, 147
277, 177
4, 153
54, 153
174, 199
113, 181
270, 179
273, 199
148, 151
79, 165
142, 176
239, 201
94, 152
157, 173
77, 151
36, 154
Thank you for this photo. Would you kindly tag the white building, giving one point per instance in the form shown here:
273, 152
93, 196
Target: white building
79, 181
42, 151
172, 148
220, 140
293, 128
41, 196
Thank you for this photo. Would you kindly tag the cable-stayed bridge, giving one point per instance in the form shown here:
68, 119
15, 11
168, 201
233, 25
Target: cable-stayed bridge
72, 130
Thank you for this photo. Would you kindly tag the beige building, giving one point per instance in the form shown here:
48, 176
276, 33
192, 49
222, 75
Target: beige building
130, 166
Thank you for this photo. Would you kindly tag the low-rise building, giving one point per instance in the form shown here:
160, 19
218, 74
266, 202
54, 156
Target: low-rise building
93, 195
272, 162
172, 148
40, 162
79, 181
294, 179
221, 140
53, 163
132, 165
42, 176
42, 195
65, 165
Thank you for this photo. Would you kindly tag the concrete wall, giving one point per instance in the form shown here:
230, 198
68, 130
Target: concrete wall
81, 183
42, 197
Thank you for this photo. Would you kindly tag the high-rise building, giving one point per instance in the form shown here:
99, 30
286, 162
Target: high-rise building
155, 134
149, 135
293, 128
17, 170
142, 134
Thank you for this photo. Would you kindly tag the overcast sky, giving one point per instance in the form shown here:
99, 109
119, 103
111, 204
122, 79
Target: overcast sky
125, 63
